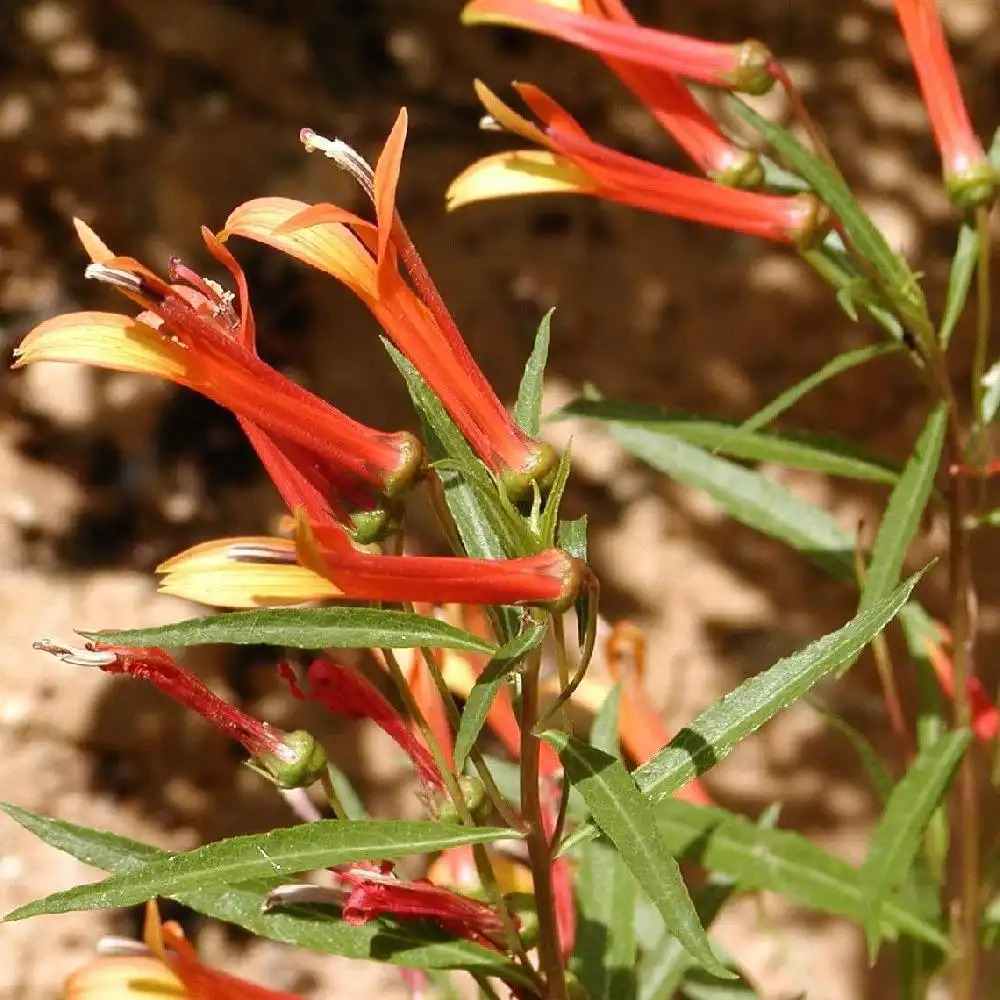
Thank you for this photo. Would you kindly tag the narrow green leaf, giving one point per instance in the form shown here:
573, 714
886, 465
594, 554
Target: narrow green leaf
604, 953
408, 945
305, 628
709, 738
549, 521
604, 731
348, 798
499, 670
283, 852
896, 841
628, 820
867, 754
963, 268
528, 408
901, 283
904, 510
572, 536
795, 450
840, 364
783, 862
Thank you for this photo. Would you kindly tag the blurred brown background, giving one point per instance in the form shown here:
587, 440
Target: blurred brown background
150, 119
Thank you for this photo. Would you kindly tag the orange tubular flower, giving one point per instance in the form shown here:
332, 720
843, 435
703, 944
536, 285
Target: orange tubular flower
969, 176
574, 163
366, 258
744, 67
191, 333
661, 90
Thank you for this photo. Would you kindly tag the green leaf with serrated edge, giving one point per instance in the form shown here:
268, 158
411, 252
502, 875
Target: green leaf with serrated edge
905, 508
549, 521
627, 819
878, 776
604, 731
528, 408
841, 363
483, 534
900, 282
286, 851
781, 861
896, 841
407, 945
305, 628
604, 952
709, 738
963, 269
498, 671
799, 451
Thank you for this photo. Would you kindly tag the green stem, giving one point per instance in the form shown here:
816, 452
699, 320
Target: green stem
980, 357
331, 795
539, 854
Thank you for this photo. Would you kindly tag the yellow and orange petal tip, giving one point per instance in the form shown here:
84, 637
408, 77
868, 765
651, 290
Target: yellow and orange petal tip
105, 340
517, 173
96, 248
124, 977
211, 573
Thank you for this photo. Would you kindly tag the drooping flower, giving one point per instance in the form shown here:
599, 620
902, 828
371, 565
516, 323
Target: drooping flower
290, 760
323, 563
345, 693
658, 87
969, 176
190, 332
745, 66
572, 163
375, 891
368, 260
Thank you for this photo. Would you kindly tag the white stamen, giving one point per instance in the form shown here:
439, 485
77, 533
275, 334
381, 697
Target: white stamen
489, 124
346, 157
114, 276
117, 947
76, 656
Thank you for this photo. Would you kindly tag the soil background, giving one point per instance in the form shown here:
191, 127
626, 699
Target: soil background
150, 119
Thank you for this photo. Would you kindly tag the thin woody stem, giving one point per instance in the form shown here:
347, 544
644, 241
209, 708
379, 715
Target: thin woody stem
539, 854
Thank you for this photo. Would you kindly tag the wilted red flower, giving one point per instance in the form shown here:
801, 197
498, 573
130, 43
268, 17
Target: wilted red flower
191, 333
291, 760
367, 259
658, 87
376, 892
969, 176
572, 163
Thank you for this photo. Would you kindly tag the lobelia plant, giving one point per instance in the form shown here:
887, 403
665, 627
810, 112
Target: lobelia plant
554, 873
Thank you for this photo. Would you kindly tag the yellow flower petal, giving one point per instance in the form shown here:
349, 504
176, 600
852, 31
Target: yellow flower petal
519, 172
96, 248
211, 574
139, 977
328, 246
108, 340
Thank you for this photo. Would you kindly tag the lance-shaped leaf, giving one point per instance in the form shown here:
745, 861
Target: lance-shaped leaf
896, 840
528, 408
798, 451
709, 738
408, 945
905, 509
628, 821
305, 628
963, 267
498, 671
283, 852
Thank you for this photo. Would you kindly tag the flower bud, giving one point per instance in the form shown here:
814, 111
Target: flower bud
297, 762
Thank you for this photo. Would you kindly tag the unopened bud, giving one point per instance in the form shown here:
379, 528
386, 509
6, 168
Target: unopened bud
540, 468
744, 171
297, 762
752, 73
815, 222
974, 186
473, 796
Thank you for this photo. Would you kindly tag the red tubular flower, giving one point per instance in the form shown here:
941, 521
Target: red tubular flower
574, 163
346, 693
367, 258
292, 760
376, 892
985, 716
969, 176
192, 334
745, 66
660, 89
